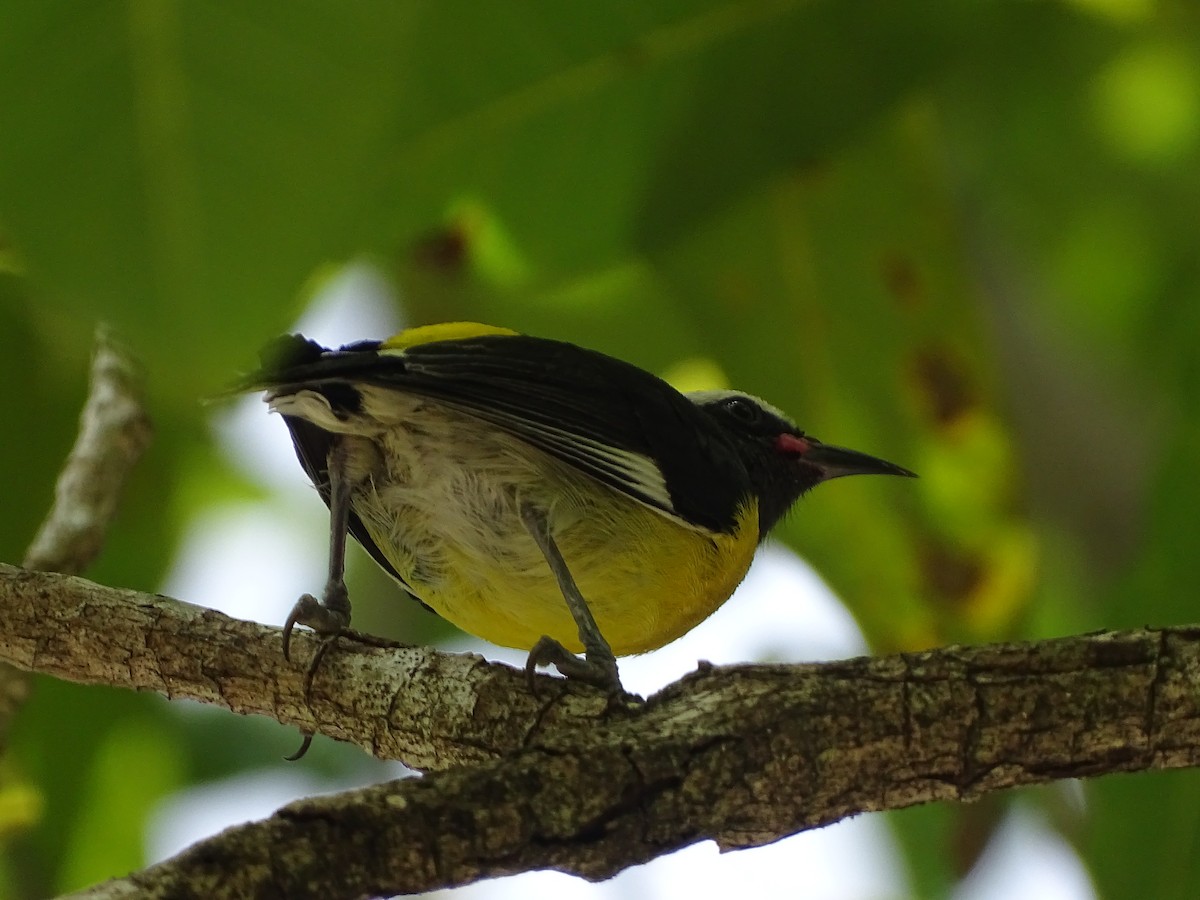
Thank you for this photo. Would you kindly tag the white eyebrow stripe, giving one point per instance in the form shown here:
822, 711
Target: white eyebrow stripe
703, 398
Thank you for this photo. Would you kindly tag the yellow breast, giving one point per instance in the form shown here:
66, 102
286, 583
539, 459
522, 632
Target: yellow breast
450, 525
647, 581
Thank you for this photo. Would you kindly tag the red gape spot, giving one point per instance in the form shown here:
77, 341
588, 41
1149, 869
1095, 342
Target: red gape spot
792, 445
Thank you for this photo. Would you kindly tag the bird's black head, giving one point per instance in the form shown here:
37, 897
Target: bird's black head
782, 462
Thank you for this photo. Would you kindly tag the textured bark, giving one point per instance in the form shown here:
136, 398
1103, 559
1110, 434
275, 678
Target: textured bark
741, 755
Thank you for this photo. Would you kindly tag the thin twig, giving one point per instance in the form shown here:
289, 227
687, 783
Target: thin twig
114, 430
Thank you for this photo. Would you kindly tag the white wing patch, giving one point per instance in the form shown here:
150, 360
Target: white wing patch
628, 471
636, 470
632, 473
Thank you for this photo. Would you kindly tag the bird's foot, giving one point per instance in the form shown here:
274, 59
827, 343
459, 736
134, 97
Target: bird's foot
597, 668
328, 617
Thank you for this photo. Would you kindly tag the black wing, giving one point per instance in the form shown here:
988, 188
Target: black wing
620, 424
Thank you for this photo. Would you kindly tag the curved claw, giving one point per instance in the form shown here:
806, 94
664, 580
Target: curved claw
303, 748
315, 663
598, 670
544, 653
324, 618
303, 613
330, 621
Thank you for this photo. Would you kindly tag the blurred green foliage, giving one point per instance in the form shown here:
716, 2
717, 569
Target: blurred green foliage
962, 236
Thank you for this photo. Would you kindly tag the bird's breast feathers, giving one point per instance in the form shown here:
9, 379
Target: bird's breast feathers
440, 492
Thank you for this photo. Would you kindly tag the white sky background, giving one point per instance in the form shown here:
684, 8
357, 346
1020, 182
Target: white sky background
271, 553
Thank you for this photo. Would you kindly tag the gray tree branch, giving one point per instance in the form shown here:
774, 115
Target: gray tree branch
740, 755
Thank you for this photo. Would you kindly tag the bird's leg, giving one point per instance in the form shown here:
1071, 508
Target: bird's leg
598, 666
329, 616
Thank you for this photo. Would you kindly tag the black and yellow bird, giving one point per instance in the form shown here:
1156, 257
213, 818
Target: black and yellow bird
535, 493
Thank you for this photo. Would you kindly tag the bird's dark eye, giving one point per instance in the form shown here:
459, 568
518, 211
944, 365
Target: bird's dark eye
745, 411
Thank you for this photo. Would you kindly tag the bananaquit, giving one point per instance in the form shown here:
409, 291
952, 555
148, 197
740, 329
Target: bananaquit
537, 494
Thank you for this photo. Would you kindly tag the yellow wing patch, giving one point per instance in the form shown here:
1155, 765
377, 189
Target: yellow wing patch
446, 331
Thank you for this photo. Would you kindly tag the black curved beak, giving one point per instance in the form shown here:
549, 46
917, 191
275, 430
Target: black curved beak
835, 462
